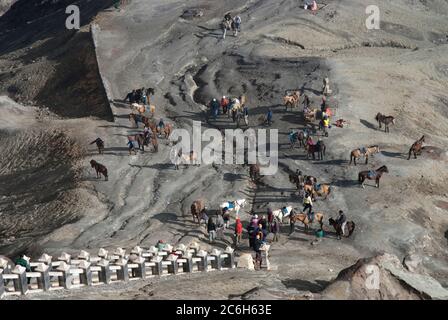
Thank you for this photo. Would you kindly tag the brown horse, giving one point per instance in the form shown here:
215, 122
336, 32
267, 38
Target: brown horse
137, 118
358, 153
350, 227
196, 209
100, 169
166, 130
291, 100
319, 147
372, 175
297, 137
303, 218
99, 145
323, 191
387, 120
416, 147
254, 172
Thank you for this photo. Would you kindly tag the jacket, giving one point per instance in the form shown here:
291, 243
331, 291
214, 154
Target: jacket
239, 228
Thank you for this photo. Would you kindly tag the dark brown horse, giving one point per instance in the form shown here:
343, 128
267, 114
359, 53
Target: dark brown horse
416, 148
100, 169
99, 145
338, 227
141, 141
319, 147
196, 208
387, 120
254, 172
372, 175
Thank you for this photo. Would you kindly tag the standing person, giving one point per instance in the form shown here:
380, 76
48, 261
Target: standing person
292, 222
263, 222
130, 96
214, 108
220, 226
270, 216
342, 221
131, 146
258, 243
275, 229
306, 102
269, 117
236, 25
246, 115
251, 233
238, 231
307, 204
326, 86
226, 217
224, 104
211, 229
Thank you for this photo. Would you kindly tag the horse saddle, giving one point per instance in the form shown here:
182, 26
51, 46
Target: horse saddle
363, 150
284, 210
371, 174
230, 205
317, 187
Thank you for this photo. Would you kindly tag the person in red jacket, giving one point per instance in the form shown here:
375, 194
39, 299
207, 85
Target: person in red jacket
238, 231
224, 104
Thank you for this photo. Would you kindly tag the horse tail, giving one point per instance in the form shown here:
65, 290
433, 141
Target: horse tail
329, 190
352, 229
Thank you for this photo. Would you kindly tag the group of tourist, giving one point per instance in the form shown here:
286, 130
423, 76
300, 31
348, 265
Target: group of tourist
230, 23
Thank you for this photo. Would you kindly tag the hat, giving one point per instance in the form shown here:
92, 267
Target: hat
223, 97
256, 216
214, 99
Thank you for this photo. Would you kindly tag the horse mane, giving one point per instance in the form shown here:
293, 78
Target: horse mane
378, 115
382, 167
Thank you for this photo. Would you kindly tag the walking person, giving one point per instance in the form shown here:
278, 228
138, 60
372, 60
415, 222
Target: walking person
307, 204
224, 27
269, 117
224, 104
342, 221
211, 229
238, 231
246, 115
292, 222
131, 146
236, 25
275, 229
258, 243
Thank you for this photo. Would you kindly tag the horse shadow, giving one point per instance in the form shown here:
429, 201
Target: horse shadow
368, 124
335, 162
231, 177
398, 155
304, 285
345, 183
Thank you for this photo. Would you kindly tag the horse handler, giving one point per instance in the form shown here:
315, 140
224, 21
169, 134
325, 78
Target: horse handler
238, 231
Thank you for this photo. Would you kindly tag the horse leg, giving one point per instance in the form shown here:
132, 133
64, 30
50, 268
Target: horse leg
377, 182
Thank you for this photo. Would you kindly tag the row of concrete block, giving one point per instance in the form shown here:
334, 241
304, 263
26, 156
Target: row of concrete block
105, 268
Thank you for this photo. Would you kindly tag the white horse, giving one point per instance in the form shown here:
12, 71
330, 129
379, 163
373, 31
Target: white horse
234, 205
280, 214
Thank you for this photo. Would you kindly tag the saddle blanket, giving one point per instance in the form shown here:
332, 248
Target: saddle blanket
230, 205
317, 187
371, 174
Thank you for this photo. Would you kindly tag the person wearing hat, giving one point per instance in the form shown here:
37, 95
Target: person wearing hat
211, 229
